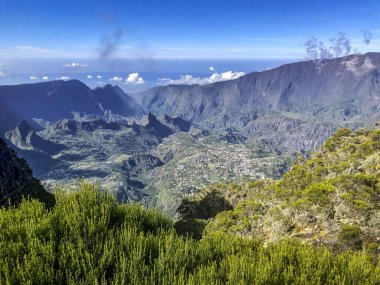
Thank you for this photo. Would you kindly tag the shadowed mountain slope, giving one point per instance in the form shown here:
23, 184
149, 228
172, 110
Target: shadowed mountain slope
17, 181
56, 100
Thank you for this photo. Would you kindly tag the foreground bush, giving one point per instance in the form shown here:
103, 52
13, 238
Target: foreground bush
87, 238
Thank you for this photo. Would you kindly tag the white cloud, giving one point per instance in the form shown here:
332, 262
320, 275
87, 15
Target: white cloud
187, 80
116, 78
135, 78
63, 78
229, 75
215, 77
99, 77
45, 78
2, 73
211, 68
33, 78
89, 76
75, 65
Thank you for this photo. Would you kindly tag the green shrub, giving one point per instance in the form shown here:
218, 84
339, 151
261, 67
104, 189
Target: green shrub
87, 238
318, 193
351, 237
335, 139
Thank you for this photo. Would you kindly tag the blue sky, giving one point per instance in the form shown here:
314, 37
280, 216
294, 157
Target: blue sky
140, 44
180, 29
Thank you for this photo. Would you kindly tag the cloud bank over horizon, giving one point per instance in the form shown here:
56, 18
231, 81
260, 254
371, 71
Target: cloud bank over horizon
215, 77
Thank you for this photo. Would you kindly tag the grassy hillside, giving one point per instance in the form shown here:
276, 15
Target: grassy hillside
333, 198
88, 238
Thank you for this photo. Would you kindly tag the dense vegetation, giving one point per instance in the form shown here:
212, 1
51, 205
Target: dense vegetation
88, 238
333, 198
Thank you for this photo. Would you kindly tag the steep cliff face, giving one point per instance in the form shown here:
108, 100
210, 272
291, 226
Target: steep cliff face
47, 100
113, 98
17, 181
342, 89
290, 103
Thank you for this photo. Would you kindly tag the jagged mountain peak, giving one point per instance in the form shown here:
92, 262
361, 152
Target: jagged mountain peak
25, 137
177, 123
21, 136
152, 118
73, 126
24, 129
112, 97
108, 87
156, 127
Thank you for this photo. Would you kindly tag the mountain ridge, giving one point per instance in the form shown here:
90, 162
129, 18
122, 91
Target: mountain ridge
305, 98
252, 90
56, 100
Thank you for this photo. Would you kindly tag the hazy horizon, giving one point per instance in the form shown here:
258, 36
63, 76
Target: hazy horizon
153, 72
141, 45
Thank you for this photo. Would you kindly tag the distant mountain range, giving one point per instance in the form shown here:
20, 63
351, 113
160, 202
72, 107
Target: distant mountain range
311, 96
165, 143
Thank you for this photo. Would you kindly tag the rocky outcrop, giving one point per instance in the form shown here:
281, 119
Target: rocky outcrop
177, 124
88, 126
140, 162
17, 181
25, 137
234, 137
154, 126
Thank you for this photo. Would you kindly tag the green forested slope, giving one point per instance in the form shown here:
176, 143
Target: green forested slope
333, 198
